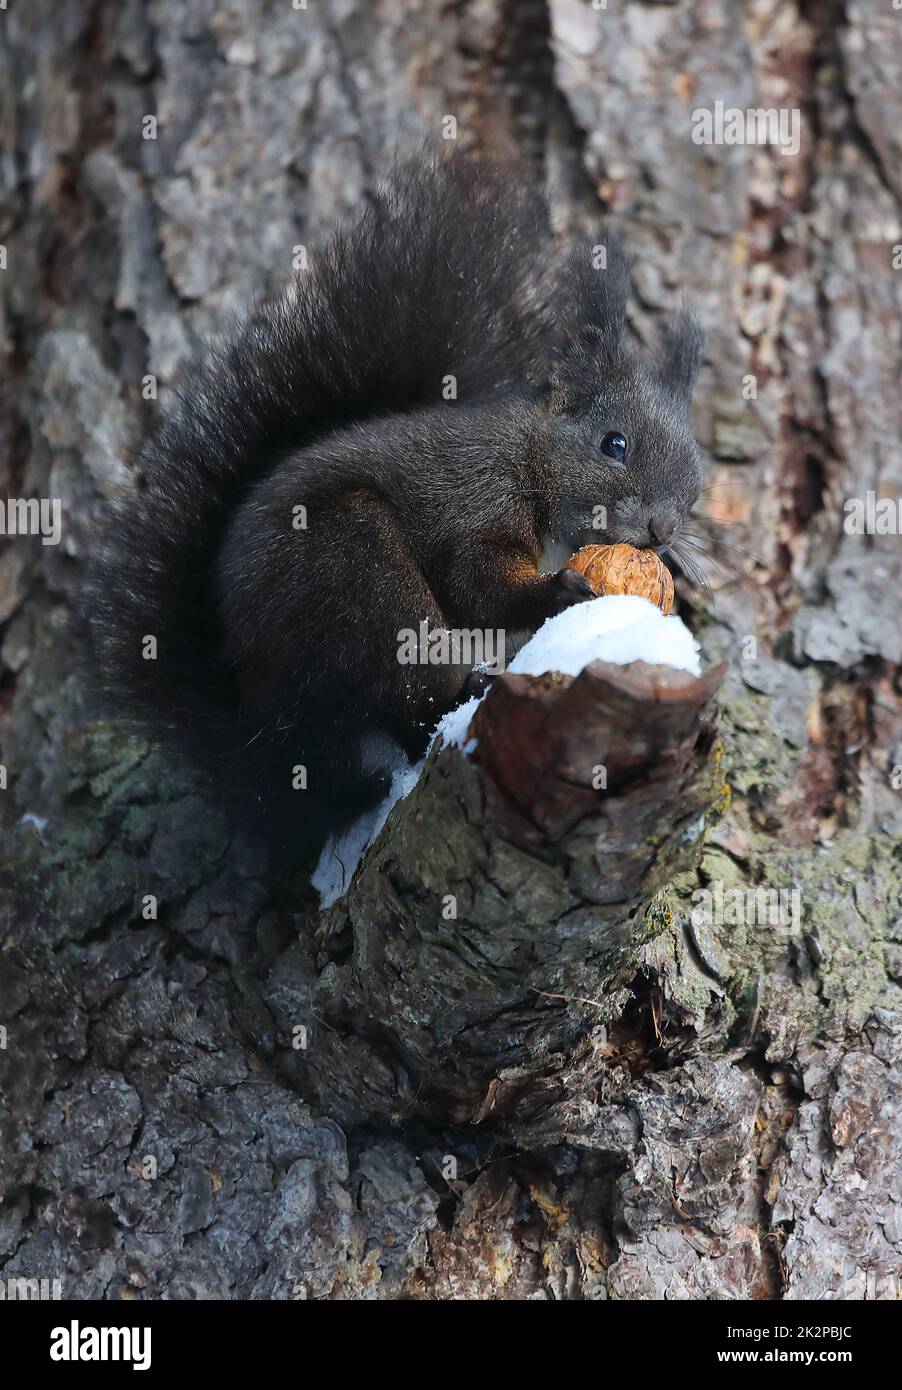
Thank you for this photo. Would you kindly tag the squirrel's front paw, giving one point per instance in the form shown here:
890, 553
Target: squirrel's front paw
476, 683
571, 587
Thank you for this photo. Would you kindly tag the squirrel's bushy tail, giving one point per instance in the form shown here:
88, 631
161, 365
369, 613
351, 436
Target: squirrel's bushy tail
438, 277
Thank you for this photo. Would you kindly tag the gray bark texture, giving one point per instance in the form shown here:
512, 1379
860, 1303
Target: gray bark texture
566, 1085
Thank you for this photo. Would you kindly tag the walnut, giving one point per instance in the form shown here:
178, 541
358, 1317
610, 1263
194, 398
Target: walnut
621, 569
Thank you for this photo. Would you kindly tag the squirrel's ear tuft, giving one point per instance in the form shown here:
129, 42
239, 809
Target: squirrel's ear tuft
683, 353
593, 291
601, 275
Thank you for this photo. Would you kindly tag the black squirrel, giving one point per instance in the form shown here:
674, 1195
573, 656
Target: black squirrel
396, 438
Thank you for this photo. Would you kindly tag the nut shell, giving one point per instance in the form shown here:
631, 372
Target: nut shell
622, 569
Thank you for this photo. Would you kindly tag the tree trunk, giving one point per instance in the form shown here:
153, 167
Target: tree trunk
542, 1048
504, 891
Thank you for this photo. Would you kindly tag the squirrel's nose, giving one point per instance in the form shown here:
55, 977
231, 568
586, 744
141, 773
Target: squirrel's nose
662, 528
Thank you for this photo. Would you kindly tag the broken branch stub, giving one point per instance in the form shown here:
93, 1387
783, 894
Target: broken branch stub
494, 926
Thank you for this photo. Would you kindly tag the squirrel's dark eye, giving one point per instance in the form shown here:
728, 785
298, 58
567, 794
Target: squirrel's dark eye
613, 446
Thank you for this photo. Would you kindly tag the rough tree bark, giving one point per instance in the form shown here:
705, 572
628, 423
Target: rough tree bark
496, 924
712, 1110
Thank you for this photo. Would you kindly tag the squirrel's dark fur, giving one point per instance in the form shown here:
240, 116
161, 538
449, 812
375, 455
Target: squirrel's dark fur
277, 643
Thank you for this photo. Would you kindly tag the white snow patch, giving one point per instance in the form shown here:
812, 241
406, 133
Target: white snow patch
342, 853
619, 628
452, 727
